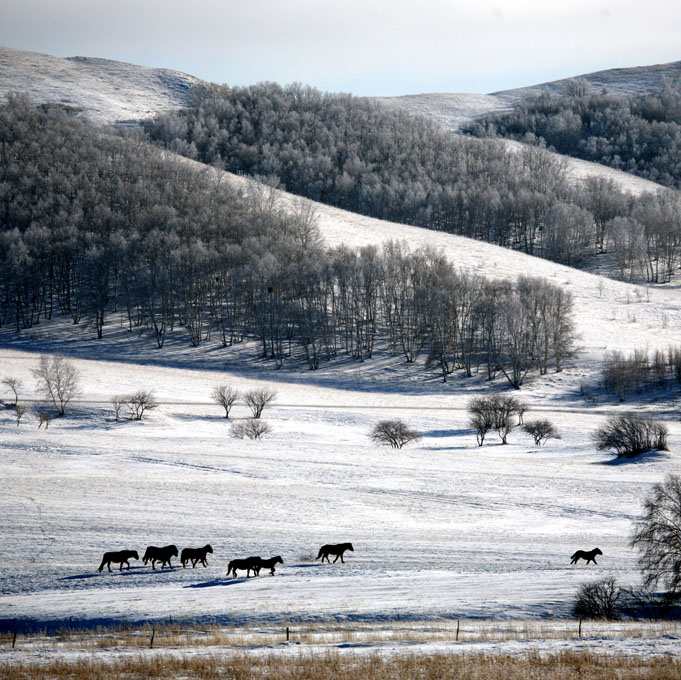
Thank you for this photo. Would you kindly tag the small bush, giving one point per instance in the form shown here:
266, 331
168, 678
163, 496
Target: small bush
253, 429
393, 432
597, 600
495, 412
541, 431
631, 435
19, 411
256, 400
225, 396
140, 402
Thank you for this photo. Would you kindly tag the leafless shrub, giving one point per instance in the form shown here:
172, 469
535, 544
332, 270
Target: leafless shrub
597, 600
19, 412
541, 431
481, 418
118, 401
393, 432
631, 435
140, 402
226, 397
495, 412
13, 384
256, 400
253, 429
57, 380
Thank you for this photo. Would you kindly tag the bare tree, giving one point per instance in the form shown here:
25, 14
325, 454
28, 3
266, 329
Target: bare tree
481, 418
658, 535
256, 400
495, 412
226, 397
118, 401
15, 385
19, 412
541, 431
253, 429
57, 380
393, 432
140, 402
597, 600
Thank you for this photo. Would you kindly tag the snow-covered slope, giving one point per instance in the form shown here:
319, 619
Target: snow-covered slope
441, 529
452, 111
107, 92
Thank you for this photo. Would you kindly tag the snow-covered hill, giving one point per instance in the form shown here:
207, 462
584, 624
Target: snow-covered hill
107, 92
441, 529
451, 111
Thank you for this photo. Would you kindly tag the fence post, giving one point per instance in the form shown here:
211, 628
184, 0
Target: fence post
14, 638
580, 628
287, 634
457, 630
153, 632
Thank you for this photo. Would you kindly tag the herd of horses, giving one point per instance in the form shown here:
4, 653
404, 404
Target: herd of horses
254, 563
163, 556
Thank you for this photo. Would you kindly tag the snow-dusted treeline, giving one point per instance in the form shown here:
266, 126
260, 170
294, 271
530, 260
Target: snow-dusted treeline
355, 154
94, 224
641, 135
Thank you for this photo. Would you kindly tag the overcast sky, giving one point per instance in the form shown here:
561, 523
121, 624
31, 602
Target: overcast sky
366, 47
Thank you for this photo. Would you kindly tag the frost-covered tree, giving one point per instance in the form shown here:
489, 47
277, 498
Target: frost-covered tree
58, 380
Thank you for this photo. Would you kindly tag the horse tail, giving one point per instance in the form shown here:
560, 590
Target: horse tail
575, 555
321, 554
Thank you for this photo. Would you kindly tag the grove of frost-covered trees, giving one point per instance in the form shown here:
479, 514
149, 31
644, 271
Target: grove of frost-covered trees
639, 134
94, 224
356, 154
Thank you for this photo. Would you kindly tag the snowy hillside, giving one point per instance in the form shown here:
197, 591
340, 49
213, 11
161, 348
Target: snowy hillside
440, 529
452, 111
107, 92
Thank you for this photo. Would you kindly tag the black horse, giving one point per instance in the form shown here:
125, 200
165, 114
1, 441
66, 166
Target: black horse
269, 564
195, 555
337, 550
121, 556
589, 556
162, 555
248, 564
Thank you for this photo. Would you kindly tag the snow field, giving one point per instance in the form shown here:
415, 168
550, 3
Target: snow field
441, 529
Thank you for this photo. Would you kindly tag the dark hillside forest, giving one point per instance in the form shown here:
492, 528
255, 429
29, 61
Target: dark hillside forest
638, 134
355, 154
94, 224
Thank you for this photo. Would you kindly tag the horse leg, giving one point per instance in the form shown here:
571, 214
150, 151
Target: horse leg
337, 556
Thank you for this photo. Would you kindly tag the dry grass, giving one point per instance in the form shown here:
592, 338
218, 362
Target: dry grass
562, 666
180, 636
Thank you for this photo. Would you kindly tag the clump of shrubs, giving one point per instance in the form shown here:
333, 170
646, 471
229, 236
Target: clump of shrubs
393, 432
541, 431
629, 436
597, 600
495, 413
252, 429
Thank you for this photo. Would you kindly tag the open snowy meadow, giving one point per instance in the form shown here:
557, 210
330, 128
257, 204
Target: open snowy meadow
443, 530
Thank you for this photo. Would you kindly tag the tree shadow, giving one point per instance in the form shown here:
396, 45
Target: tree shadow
640, 459
445, 433
219, 582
